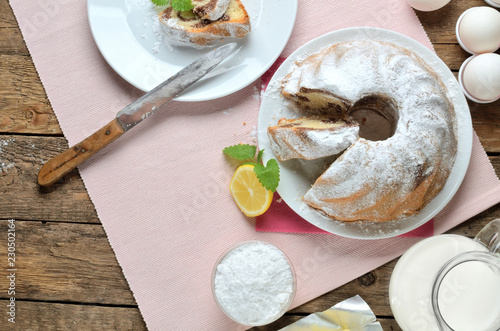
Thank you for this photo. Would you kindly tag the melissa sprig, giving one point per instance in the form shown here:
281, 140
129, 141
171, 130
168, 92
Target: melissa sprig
268, 175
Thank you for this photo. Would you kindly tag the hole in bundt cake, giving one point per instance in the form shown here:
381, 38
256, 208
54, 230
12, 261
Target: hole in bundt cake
377, 116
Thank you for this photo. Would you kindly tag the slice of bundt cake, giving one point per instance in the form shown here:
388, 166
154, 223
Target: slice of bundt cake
188, 29
311, 137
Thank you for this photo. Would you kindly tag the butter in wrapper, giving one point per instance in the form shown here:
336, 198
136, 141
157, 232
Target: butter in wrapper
352, 314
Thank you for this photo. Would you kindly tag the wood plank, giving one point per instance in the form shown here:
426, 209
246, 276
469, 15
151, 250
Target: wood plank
24, 107
7, 19
20, 160
452, 55
31, 315
486, 122
59, 252
65, 262
11, 41
75, 263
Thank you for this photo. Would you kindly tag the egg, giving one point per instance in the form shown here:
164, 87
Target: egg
428, 5
494, 3
479, 77
478, 30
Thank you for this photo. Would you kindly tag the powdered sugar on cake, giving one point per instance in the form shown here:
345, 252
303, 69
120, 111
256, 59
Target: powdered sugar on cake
393, 178
188, 28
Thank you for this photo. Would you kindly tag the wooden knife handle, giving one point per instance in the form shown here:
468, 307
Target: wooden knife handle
57, 167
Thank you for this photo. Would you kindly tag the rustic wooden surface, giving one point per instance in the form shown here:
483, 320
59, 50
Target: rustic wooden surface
70, 279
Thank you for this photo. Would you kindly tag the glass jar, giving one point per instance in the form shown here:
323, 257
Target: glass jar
449, 282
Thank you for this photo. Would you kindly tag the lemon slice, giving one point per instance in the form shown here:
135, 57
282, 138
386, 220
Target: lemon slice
252, 198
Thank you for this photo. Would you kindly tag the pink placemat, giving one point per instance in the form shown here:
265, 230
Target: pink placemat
161, 190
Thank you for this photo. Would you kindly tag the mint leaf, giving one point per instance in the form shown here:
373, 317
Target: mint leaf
241, 152
160, 2
182, 5
269, 175
259, 156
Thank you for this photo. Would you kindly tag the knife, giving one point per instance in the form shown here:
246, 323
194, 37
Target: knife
57, 167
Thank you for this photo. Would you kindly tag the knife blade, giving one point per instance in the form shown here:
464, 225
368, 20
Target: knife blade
133, 114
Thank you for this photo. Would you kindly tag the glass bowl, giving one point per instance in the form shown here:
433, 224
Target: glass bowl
253, 283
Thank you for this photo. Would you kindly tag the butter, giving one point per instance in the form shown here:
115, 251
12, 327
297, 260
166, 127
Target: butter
352, 314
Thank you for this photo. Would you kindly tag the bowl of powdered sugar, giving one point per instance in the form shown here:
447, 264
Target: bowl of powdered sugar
253, 283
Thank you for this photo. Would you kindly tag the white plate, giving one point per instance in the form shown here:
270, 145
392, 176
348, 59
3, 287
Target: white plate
128, 34
297, 176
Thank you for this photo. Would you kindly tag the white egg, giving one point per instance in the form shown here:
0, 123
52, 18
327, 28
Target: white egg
480, 77
428, 5
478, 30
494, 3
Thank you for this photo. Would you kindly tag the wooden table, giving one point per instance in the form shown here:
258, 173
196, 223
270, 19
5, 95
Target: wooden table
68, 277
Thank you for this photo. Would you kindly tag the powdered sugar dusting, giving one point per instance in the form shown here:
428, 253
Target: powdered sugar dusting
311, 144
152, 23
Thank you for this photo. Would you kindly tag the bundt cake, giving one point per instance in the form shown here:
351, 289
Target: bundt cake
394, 177
188, 29
210, 9
311, 137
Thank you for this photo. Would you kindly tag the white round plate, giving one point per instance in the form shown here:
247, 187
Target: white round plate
129, 36
297, 176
